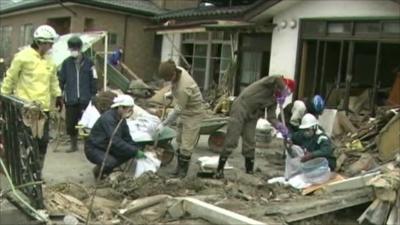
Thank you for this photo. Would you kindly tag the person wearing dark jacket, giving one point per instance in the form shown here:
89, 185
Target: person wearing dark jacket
78, 82
315, 143
122, 147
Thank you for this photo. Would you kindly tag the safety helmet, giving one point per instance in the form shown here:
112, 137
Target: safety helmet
123, 100
75, 42
308, 121
318, 104
290, 84
45, 34
167, 69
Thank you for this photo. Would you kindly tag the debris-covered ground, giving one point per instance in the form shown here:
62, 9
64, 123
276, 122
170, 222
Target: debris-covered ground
248, 195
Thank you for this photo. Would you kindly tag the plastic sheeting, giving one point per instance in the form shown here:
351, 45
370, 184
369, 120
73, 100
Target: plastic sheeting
141, 124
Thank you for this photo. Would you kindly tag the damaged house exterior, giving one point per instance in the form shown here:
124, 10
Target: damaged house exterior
123, 20
333, 48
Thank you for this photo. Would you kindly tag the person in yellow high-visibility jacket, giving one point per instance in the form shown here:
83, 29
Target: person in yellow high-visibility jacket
33, 77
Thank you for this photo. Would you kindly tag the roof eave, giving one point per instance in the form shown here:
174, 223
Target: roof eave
83, 2
27, 6
114, 7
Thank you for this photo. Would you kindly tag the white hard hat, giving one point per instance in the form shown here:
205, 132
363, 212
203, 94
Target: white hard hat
308, 121
45, 33
123, 100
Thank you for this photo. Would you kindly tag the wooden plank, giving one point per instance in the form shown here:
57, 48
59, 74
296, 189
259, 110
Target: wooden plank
351, 183
214, 214
142, 203
388, 141
368, 211
337, 202
334, 178
392, 220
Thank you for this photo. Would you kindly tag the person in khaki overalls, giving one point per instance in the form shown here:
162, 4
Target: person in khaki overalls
189, 110
246, 109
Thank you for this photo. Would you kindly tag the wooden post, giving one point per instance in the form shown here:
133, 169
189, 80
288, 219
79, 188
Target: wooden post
349, 75
376, 73
314, 88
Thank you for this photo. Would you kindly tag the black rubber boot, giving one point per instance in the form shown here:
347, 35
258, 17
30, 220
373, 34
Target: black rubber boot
249, 164
176, 172
74, 144
184, 162
220, 169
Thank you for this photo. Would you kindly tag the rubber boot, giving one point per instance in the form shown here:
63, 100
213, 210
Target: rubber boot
41, 158
220, 169
96, 173
249, 164
177, 169
184, 162
74, 144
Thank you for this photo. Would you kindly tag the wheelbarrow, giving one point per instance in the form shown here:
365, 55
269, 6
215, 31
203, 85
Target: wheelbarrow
164, 142
211, 126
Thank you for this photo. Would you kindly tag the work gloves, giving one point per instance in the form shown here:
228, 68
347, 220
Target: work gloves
280, 99
59, 103
281, 95
282, 129
140, 155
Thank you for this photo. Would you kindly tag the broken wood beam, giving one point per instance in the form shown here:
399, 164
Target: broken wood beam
350, 183
296, 210
214, 214
376, 213
142, 203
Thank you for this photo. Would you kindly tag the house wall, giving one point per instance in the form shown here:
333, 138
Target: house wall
138, 49
285, 41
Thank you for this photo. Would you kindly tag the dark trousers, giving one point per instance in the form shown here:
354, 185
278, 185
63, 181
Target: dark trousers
73, 114
43, 142
96, 156
240, 125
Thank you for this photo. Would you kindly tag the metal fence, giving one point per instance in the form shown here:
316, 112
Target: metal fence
21, 151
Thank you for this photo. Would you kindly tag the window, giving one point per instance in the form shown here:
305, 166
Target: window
391, 27
358, 29
6, 41
314, 27
209, 55
26, 34
112, 38
89, 24
339, 28
367, 28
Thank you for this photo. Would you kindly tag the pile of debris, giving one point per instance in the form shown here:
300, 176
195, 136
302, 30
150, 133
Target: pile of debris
375, 141
151, 199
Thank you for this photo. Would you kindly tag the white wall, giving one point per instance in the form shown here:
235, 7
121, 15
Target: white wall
284, 41
168, 51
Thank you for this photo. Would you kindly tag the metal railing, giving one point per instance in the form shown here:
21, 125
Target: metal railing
21, 150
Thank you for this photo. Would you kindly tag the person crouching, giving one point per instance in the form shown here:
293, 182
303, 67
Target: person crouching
122, 146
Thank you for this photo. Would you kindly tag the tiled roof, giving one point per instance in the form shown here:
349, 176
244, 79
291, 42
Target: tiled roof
141, 5
145, 7
204, 12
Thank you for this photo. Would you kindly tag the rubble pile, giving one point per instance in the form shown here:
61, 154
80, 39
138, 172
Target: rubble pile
363, 149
